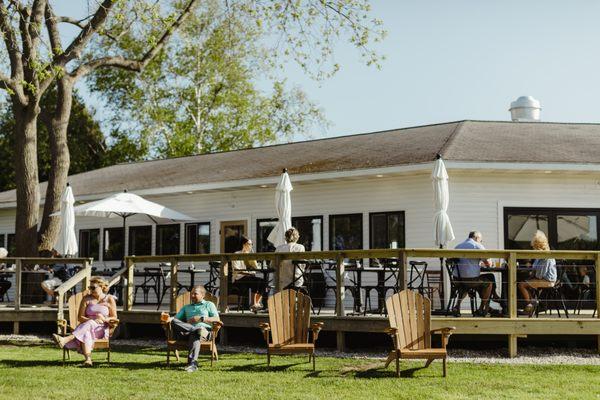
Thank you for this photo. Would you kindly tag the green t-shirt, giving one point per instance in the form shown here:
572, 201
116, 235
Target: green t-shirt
203, 309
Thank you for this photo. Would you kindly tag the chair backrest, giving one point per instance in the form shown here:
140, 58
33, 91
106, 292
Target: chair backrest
289, 317
410, 313
185, 298
74, 304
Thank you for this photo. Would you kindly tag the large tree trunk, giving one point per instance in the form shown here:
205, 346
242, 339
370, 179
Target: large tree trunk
26, 176
60, 161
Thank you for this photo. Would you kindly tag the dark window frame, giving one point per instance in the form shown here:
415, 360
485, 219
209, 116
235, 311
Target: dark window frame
310, 217
552, 214
331, 218
185, 237
156, 241
259, 243
103, 246
88, 252
129, 241
387, 213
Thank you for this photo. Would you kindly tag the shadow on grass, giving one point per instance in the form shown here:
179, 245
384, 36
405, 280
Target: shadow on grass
74, 363
263, 367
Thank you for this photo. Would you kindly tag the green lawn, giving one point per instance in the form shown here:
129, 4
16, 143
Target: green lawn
35, 372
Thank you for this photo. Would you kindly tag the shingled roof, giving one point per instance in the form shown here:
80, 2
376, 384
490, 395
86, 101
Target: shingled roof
476, 141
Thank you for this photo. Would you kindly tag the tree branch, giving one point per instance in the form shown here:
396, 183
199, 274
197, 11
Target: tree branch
136, 65
77, 22
12, 47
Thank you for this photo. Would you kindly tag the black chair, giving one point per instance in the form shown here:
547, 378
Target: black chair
165, 282
457, 289
551, 298
151, 283
4, 286
419, 275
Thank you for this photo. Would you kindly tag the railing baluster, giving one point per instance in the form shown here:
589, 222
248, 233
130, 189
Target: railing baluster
512, 301
18, 269
129, 287
223, 289
341, 289
173, 294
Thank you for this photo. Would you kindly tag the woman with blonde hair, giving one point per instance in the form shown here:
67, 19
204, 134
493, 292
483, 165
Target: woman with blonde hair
544, 272
96, 313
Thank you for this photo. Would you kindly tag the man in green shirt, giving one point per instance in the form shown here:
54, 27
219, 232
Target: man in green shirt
194, 321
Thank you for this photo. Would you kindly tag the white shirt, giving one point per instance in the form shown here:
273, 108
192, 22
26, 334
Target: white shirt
287, 272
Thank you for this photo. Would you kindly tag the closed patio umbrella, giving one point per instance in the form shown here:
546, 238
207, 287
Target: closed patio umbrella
283, 208
443, 232
66, 245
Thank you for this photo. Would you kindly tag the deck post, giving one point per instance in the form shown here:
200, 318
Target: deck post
128, 300
88, 276
402, 264
340, 295
512, 301
223, 280
18, 267
276, 270
173, 291
597, 270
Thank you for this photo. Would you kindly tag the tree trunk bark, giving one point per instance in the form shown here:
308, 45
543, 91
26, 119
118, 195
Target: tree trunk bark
26, 177
60, 161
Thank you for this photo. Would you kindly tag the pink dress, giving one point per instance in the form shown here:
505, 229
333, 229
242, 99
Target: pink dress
90, 330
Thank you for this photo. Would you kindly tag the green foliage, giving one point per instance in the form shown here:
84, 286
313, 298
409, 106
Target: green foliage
36, 372
87, 146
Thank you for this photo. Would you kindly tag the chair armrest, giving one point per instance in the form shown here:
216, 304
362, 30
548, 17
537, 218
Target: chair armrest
391, 331
216, 327
265, 328
316, 328
445, 332
62, 325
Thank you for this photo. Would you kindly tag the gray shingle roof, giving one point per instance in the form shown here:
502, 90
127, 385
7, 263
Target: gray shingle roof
457, 141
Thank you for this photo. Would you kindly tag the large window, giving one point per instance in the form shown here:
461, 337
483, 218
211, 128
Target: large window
345, 232
140, 240
311, 232
263, 229
386, 230
89, 243
197, 238
567, 229
11, 244
167, 239
2, 239
113, 244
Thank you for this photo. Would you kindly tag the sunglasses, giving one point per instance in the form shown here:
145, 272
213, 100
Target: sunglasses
92, 287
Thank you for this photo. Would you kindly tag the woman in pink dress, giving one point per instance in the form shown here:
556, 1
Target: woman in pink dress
96, 312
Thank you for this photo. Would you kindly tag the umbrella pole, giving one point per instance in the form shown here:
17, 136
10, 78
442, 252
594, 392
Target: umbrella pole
124, 235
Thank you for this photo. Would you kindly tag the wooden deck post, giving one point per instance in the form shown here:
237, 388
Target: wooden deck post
598, 292
223, 289
276, 271
402, 264
128, 289
340, 295
512, 301
18, 268
88, 276
173, 291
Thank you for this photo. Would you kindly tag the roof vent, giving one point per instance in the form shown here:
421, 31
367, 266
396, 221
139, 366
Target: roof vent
525, 109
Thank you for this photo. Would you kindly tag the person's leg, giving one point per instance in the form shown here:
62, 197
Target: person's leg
195, 338
180, 328
87, 353
524, 290
485, 293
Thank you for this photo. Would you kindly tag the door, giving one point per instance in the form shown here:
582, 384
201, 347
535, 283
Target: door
231, 235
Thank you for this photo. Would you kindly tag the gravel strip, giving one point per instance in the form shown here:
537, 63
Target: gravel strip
527, 355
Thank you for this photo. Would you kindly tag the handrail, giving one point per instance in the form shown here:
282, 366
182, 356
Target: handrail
116, 277
72, 282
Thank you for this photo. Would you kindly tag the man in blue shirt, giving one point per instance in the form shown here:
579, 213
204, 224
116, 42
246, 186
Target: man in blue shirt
194, 321
468, 275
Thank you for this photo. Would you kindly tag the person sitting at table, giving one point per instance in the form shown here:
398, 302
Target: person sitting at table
468, 275
245, 280
96, 313
4, 283
544, 272
60, 274
194, 322
289, 275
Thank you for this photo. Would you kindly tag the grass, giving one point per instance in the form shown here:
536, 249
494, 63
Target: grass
36, 372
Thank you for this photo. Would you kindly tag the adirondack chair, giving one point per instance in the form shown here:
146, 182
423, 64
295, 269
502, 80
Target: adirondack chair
410, 328
289, 317
174, 345
67, 327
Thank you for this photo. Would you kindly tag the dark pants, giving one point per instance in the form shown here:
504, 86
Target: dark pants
250, 283
194, 334
4, 286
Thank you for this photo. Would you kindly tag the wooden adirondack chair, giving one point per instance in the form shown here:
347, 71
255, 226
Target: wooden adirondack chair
174, 345
410, 328
67, 327
289, 317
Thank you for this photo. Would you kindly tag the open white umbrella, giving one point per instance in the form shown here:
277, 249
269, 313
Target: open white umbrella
443, 232
66, 245
283, 208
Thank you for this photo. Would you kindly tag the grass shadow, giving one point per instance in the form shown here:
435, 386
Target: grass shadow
78, 363
263, 367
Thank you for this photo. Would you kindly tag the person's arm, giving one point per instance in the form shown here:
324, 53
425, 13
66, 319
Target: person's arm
112, 308
213, 314
81, 314
180, 315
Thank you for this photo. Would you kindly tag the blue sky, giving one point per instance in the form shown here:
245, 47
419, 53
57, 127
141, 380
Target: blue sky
453, 60
464, 59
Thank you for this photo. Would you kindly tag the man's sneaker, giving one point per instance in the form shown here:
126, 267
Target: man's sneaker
192, 367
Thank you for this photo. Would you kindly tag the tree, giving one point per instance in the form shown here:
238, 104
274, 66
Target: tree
199, 95
33, 59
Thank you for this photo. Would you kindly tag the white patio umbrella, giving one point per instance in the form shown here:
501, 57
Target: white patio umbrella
283, 208
443, 232
66, 245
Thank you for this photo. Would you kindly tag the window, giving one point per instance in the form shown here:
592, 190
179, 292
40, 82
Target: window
263, 229
345, 232
567, 229
11, 244
311, 232
167, 239
140, 240
89, 243
113, 245
197, 238
2, 238
386, 230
